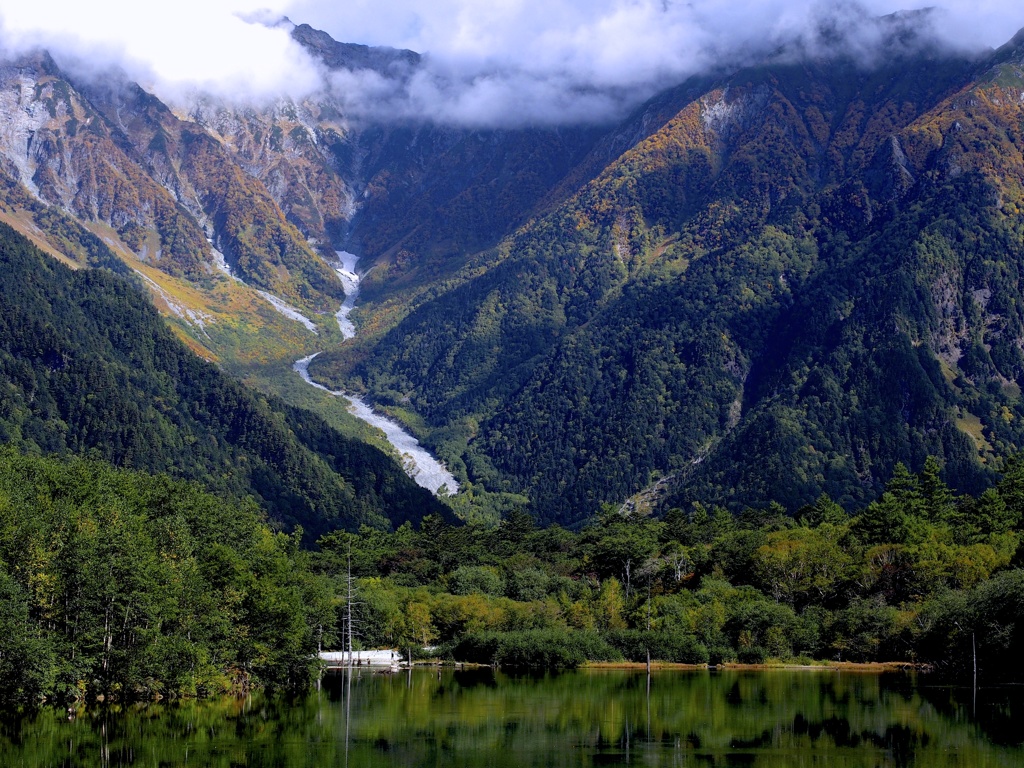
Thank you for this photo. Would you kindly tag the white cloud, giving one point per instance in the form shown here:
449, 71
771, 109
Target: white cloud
185, 44
496, 62
520, 29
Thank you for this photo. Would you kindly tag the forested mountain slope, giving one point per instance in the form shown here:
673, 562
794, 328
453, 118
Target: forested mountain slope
87, 366
766, 284
809, 273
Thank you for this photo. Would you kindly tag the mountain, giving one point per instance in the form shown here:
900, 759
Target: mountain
352, 56
764, 285
806, 274
87, 366
115, 157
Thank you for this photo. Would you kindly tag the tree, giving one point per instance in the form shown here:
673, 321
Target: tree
419, 627
823, 511
802, 565
610, 605
888, 518
26, 659
621, 544
938, 504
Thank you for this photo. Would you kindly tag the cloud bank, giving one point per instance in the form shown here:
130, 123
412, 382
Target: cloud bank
501, 63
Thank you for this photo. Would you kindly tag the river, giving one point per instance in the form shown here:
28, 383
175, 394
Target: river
486, 719
419, 464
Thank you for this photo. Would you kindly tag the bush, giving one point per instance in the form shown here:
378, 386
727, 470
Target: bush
720, 654
549, 649
755, 654
770, 627
676, 647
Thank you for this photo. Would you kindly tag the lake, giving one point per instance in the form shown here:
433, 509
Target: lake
584, 718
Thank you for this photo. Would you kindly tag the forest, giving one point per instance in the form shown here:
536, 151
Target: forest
921, 575
125, 585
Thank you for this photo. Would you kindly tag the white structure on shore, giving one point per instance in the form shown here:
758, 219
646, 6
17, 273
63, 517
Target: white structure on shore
336, 659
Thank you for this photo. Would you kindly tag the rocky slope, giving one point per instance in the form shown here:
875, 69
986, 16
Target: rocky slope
67, 155
118, 159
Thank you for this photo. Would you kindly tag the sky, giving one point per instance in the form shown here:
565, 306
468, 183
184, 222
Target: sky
487, 62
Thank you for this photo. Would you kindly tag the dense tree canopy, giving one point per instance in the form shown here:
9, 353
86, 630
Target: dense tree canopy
914, 577
122, 584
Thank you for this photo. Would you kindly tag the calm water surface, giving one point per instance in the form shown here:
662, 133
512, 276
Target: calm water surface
587, 718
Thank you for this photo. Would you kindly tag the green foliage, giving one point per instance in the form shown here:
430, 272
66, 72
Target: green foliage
636, 645
983, 626
130, 585
864, 631
543, 649
27, 661
705, 587
468, 579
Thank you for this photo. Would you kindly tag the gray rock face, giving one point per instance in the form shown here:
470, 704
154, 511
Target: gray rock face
387, 61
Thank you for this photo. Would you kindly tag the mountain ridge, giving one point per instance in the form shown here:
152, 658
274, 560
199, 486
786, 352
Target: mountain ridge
778, 161
711, 290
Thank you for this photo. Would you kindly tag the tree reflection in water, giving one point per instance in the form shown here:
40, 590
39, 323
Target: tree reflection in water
590, 717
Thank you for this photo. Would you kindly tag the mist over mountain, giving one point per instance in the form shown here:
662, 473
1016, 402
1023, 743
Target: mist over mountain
532, 63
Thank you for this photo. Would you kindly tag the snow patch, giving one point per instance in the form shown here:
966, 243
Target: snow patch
221, 264
350, 282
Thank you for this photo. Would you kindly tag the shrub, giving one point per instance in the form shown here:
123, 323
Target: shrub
677, 647
549, 649
754, 654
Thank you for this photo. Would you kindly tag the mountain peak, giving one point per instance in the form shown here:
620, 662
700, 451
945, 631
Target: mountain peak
1011, 51
353, 56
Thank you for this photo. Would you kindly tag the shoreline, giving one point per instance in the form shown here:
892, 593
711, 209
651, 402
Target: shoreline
824, 666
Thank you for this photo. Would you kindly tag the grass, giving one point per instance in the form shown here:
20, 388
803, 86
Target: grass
22, 221
972, 426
